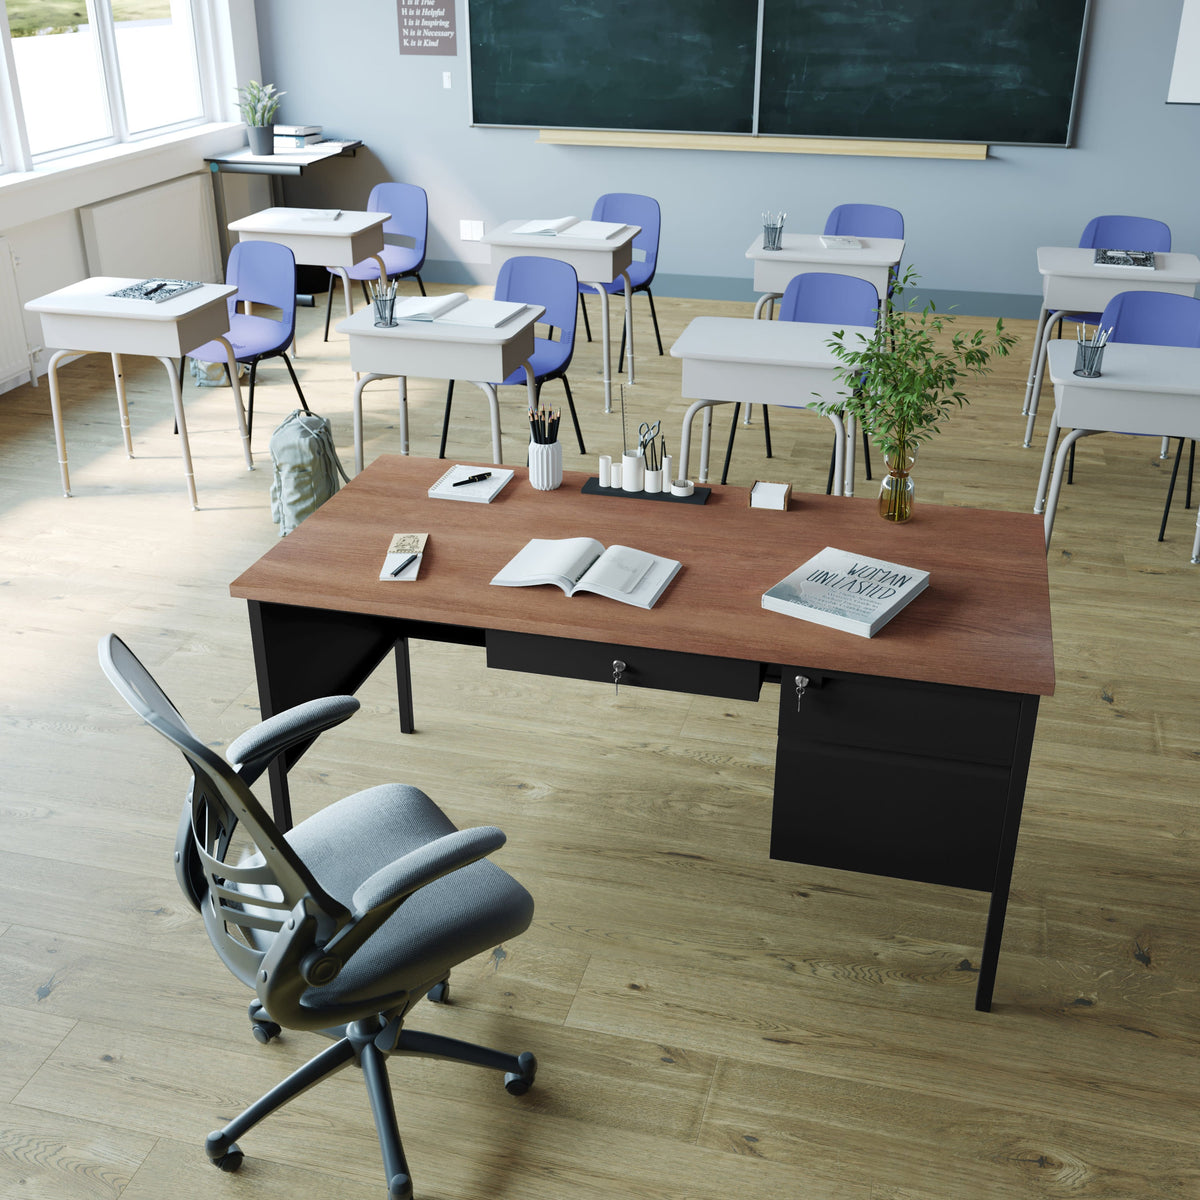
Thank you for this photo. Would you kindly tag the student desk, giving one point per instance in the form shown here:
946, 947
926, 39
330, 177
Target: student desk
440, 350
907, 753
340, 241
1152, 390
803, 252
729, 360
85, 318
1073, 283
597, 261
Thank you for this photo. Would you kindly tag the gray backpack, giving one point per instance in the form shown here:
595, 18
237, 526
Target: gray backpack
306, 469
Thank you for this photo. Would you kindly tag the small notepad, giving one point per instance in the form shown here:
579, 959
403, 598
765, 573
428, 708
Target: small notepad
403, 546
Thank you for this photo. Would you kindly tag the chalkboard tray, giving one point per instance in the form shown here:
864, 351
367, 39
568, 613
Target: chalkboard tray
592, 488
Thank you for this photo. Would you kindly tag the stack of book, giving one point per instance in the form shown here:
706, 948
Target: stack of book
296, 137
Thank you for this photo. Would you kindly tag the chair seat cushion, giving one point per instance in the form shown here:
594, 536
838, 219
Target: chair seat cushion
465, 913
399, 260
250, 337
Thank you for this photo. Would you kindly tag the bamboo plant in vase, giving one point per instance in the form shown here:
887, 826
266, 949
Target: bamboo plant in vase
904, 381
258, 103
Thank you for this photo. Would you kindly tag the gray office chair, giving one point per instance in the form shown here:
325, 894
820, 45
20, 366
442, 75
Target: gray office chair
342, 924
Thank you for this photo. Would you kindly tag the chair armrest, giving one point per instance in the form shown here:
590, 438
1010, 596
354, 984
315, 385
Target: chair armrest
251, 753
391, 884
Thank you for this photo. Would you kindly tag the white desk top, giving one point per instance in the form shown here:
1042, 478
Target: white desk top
91, 298
806, 247
362, 324
1171, 267
503, 235
766, 343
297, 221
1132, 367
305, 157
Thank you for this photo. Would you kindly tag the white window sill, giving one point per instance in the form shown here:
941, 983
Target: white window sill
68, 183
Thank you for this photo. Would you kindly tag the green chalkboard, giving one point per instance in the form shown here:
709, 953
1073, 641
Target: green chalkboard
921, 69
614, 64
916, 70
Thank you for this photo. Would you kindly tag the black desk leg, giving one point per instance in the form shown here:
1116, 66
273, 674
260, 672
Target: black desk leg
404, 687
1006, 853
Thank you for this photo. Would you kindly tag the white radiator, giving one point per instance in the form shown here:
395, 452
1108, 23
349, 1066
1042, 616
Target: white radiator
167, 230
16, 365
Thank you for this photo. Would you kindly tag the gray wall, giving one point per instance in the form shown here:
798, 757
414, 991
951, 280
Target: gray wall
972, 227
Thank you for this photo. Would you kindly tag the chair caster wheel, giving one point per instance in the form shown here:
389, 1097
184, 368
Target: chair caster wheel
265, 1031
439, 993
517, 1083
222, 1152
400, 1187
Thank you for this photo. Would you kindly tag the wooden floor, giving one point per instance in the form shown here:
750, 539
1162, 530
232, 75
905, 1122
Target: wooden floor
709, 1023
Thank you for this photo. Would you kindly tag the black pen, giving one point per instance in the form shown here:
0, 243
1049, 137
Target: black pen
472, 479
403, 565
156, 288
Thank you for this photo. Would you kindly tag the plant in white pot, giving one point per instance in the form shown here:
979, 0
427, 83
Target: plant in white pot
258, 104
905, 380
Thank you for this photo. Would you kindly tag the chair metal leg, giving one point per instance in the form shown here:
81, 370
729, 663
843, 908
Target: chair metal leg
587, 328
574, 417
366, 294
866, 453
1162, 529
767, 428
287, 362
737, 408
379, 1093
654, 318
1071, 465
417, 277
446, 419
328, 307
250, 398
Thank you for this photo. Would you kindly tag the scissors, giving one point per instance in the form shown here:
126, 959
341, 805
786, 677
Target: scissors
647, 433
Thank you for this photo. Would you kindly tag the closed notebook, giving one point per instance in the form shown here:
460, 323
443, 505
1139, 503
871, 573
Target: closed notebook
477, 485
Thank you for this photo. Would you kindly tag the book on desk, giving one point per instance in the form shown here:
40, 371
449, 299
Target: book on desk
851, 592
477, 485
571, 227
1138, 260
458, 308
584, 565
157, 290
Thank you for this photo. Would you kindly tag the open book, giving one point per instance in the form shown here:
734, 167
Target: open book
572, 227
833, 242
458, 309
1142, 260
584, 565
157, 290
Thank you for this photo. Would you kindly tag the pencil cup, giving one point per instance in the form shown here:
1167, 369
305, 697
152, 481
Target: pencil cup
545, 465
654, 480
632, 473
773, 236
1087, 359
384, 305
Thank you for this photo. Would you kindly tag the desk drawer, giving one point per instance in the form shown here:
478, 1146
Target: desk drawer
900, 716
668, 670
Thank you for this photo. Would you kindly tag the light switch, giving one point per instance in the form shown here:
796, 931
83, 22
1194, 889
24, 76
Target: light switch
445, 79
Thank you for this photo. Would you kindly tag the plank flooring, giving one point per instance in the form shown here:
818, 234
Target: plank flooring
709, 1023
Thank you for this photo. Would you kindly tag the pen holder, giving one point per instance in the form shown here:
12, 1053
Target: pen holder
632, 472
1087, 359
545, 465
384, 306
773, 237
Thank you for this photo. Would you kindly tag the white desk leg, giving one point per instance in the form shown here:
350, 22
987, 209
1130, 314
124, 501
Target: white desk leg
239, 407
685, 438
1033, 358
605, 350
1036, 392
494, 406
706, 441
402, 389
628, 323
60, 437
531, 387
1039, 501
356, 409
849, 438
122, 404
766, 300
1196, 542
383, 276
171, 366
1060, 462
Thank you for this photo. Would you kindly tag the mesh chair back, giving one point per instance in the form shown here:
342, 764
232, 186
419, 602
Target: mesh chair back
409, 208
826, 298
865, 220
1153, 319
1126, 233
264, 273
547, 282
240, 901
628, 208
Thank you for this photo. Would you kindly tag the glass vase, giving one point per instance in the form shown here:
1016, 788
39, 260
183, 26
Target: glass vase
896, 490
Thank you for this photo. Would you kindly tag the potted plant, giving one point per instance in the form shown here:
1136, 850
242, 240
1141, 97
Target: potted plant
905, 380
258, 103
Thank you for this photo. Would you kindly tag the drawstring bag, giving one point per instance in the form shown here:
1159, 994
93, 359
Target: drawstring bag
306, 469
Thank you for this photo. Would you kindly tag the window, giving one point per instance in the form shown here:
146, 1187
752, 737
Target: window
86, 73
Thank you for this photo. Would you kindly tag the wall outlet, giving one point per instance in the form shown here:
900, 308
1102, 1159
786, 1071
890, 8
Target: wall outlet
470, 231
446, 80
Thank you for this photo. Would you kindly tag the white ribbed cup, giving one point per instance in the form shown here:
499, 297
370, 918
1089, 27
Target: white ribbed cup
545, 465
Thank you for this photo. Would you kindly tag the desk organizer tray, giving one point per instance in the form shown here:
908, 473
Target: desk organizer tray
592, 488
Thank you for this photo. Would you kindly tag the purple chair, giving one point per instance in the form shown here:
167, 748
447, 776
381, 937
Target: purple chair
404, 254
628, 208
827, 299
265, 273
1153, 319
864, 220
554, 286
1119, 233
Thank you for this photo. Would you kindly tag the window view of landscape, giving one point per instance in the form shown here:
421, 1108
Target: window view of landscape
61, 70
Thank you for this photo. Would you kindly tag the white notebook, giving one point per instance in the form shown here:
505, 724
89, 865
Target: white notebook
458, 309
478, 485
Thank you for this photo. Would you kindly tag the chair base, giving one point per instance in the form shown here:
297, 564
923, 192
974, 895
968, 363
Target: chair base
368, 1044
